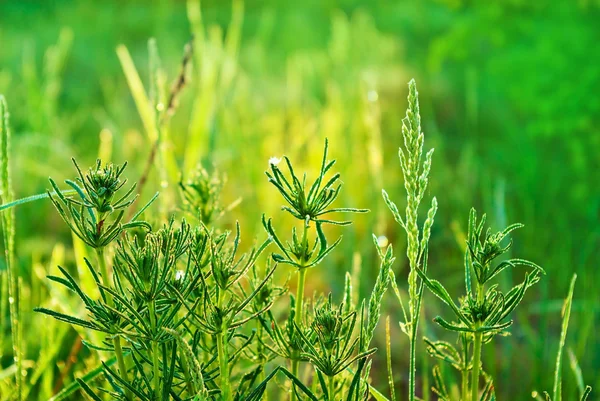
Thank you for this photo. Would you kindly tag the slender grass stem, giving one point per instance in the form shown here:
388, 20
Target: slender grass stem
416, 314
412, 362
388, 352
476, 364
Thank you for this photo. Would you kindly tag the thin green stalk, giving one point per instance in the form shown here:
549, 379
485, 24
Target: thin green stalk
477, 349
116, 339
412, 376
388, 352
7, 220
331, 387
223, 354
261, 356
300, 298
299, 311
465, 385
566, 311
476, 364
121, 363
412, 362
155, 366
104, 273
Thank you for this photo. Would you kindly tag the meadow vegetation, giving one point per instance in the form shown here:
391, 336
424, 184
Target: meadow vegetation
200, 256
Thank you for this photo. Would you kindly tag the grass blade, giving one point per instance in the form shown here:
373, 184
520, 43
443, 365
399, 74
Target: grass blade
566, 312
7, 220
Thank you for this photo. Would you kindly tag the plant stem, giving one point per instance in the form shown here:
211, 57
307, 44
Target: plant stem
412, 362
300, 298
121, 362
223, 354
116, 339
104, 273
415, 317
298, 312
331, 388
261, 357
465, 385
155, 361
476, 363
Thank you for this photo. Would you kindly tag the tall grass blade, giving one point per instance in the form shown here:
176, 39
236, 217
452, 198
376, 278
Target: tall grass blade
566, 312
8, 232
388, 352
138, 92
576, 369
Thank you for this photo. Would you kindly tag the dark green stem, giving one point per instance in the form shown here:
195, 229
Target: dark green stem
223, 354
298, 315
476, 364
155, 351
121, 362
116, 339
465, 384
300, 299
104, 273
331, 387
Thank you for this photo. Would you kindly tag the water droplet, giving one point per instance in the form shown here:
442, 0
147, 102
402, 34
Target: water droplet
382, 241
160, 107
372, 96
164, 184
11, 300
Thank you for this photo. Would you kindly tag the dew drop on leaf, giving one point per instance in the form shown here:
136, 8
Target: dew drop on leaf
382, 241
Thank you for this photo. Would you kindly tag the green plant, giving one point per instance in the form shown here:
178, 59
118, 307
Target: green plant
7, 221
178, 304
416, 178
185, 314
307, 204
482, 312
557, 388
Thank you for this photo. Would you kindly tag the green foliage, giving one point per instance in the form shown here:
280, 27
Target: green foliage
257, 81
88, 214
416, 178
482, 312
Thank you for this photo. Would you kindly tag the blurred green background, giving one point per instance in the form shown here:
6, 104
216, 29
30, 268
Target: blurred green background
510, 101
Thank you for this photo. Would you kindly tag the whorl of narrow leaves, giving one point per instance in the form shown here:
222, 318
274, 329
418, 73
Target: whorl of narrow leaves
484, 310
201, 195
96, 199
309, 203
330, 343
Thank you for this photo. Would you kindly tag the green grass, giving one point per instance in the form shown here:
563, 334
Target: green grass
506, 101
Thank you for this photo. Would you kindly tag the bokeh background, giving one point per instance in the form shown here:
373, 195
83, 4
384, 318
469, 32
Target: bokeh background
510, 101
